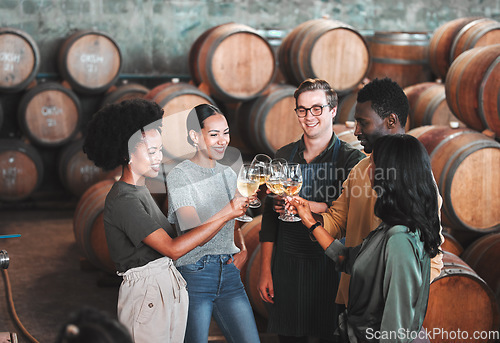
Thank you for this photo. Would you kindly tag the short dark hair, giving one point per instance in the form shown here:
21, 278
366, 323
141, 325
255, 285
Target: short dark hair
387, 97
92, 325
110, 129
197, 116
407, 192
317, 84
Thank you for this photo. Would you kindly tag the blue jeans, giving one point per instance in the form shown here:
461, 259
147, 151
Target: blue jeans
215, 288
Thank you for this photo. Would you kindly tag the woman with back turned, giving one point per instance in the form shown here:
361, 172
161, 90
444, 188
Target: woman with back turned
390, 270
153, 300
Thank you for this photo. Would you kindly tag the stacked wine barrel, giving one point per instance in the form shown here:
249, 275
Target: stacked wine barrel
45, 116
401, 56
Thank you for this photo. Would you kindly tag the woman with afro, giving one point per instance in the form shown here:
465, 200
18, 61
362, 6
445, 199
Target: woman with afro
153, 300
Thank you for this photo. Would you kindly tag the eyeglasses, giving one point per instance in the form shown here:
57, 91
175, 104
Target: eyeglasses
315, 110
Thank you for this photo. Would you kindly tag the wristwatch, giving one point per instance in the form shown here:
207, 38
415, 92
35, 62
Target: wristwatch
314, 226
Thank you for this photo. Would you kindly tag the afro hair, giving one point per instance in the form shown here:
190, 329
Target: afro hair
109, 130
387, 97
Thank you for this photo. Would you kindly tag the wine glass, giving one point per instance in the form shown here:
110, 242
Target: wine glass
276, 166
260, 163
276, 178
247, 184
292, 185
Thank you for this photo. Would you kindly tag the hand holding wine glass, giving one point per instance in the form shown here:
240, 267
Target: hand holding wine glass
260, 164
247, 184
275, 183
292, 185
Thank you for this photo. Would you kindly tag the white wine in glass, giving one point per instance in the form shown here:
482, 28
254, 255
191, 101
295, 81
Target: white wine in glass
276, 170
292, 185
292, 188
260, 163
247, 185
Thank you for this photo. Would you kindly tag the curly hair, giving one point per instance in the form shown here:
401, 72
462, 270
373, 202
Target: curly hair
317, 84
387, 97
110, 129
407, 192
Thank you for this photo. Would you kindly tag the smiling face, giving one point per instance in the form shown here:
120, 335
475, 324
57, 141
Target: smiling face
146, 158
316, 126
214, 137
369, 125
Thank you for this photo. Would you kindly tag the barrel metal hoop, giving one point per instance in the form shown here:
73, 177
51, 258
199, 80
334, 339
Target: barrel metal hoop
457, 87
399, 61
481, 250
432, 107
461, 33
189, 91
482, 87
446, 140
472, 41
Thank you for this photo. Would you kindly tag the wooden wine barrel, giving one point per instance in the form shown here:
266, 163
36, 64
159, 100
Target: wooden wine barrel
412, 93
250, 232
345, 132
483, 255
431, 108
49, 114
21, 169
77, 173
451, 244
268, 122
401, 56
124, 92
19, 59
90, 61
346, 108
177, 99
326, 49
88, 226
460, 299
472, 88
252, 282
441, 43
464, 165
480, 32
233, 61
193, 55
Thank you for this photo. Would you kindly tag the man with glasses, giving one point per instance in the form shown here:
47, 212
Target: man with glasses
297, 280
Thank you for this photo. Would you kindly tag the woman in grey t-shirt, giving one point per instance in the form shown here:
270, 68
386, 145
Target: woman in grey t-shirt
153, 300
198, 188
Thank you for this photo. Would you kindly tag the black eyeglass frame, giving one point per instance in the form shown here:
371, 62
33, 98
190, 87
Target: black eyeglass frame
310, 110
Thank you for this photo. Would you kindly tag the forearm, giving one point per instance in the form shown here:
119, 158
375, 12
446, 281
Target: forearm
201, 233
323, 237
266, 253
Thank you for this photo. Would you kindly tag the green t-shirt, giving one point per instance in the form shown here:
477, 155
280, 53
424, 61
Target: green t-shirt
130, 215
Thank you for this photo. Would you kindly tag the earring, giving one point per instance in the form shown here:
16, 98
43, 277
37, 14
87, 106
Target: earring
195, 145
129, 161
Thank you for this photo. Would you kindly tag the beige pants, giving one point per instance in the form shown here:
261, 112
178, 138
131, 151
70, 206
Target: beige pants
153, 302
